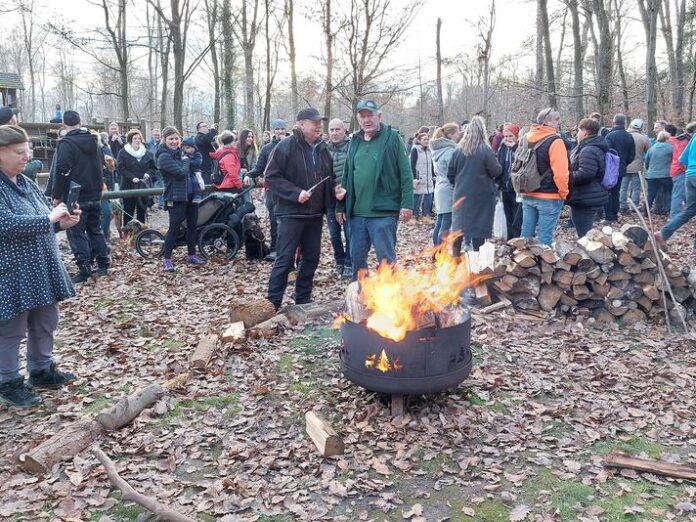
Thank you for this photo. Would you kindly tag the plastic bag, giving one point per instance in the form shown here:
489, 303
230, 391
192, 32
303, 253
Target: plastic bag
499, 221
199, 178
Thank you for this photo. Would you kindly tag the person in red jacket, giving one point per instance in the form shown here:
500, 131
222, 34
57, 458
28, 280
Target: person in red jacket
227, 156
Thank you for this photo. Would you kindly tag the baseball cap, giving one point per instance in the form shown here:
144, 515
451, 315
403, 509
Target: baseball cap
637, 123
369, 105
278, 124
6, 114
310, 113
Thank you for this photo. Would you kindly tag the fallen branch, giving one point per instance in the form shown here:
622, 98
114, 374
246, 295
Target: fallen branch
130, 495
620, 460
129, 407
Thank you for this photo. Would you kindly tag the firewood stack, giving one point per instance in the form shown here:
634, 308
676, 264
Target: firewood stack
607, 275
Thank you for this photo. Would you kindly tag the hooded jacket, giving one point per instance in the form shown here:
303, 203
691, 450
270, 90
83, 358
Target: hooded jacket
679, 144
688, 159
641, 144
78, 159
552, 163
586, 173
422, 167
229, 164
506, 157
205, 145
442, 148
174, 169
622, 142
294, 166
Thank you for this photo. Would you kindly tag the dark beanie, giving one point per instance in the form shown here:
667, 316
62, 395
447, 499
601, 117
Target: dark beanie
168, 131
12, 135
6, 114
71, 118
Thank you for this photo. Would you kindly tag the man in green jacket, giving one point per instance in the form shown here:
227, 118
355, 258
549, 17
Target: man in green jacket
379, 183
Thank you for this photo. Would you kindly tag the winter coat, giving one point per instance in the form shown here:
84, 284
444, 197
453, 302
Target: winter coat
506, 157
642, 144
393, 179
475, 191
205, 143
688, 159
174, 170
658, 160
228, 163
249, 159
622, 142
552, 163
443, 149
130, 167
679, 144
338, 154
78, 159
32, 273
423, 172
32, 169
294, 166
262, 160
115, 145
586, 173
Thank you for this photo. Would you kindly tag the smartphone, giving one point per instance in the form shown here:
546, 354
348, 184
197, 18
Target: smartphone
73, 196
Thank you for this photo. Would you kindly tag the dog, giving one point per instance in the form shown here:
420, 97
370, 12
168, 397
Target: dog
255, 245
130, 230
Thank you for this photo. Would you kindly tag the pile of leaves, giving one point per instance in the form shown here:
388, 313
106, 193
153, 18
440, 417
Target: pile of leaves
521, 439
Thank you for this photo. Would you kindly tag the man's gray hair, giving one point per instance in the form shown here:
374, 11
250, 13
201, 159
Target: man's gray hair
620, 119
691, 127
545, 114
336, 121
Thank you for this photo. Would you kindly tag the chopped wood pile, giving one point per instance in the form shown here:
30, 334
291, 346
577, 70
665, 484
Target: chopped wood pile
607, 275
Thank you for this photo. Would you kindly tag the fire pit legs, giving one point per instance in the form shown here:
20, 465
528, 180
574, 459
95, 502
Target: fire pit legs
398, 405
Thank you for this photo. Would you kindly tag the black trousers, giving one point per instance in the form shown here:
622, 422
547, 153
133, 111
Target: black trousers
294, 232
87, 239
583, 218
179, 212
513, 214
135, 207
611, 209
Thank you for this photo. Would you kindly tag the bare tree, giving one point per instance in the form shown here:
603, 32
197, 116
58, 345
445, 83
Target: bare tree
290, 16
675, 45
649, 12
246, 29
329, 37
228, 66
211, 10
438, 59
578, 60
32, 47
618, 24
548, 53
272, 46
605, 55
485, 46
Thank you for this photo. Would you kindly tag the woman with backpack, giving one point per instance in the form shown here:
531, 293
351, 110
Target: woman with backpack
473, 170
587, 195
227, 157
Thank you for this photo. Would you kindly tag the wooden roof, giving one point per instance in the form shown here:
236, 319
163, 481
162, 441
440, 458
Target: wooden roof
10, 81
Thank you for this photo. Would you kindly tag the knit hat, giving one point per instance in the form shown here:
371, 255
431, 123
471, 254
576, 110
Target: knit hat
189, 142
6, 114
71, 118
12, 135
168, 131
637, 123
278, 124
514, 129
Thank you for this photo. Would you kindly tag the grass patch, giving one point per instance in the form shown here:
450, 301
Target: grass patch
311, 341
285, 364
172, 344
615, 499
98, 404
274, 518
563, 494
303, 390
490, 511
229, 401
633, 445
473, 398
123, 511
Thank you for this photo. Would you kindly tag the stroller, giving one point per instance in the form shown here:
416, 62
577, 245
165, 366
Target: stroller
218, 229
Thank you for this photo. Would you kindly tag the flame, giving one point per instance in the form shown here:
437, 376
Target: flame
382, 363
339, 320
400, 299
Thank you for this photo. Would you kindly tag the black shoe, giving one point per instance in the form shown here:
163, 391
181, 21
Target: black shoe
270, 257
347, 272
102, 271
81, 277
17, 394
51, 378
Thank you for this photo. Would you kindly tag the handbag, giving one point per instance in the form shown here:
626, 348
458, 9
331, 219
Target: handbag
499, 221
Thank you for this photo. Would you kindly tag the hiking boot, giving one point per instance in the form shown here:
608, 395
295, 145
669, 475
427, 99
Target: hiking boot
17, 394
50, 378
81, 277
102, 271
195, 260
347, 272
168, 265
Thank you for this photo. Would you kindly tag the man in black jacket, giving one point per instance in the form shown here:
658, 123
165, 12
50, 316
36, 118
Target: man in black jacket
622, 142
78, 159
302, 182
205, 142
278, 127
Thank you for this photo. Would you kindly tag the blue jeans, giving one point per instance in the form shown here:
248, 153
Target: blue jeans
341, 252
685, 215
367, 231
424, 200
678, 195
106, 218
542, 213
631, 181
442, 227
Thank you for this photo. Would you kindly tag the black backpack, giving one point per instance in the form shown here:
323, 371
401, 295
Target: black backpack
216, 175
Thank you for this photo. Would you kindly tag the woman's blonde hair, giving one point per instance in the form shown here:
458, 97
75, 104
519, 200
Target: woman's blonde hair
447, 130
663, 136
474, 136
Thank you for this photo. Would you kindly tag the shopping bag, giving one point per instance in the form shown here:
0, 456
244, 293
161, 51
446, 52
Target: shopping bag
499, 221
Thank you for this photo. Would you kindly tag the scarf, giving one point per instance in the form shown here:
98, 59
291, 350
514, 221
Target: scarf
137, 154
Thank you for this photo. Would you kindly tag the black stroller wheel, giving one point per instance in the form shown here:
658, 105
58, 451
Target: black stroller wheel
218, 241
149, 243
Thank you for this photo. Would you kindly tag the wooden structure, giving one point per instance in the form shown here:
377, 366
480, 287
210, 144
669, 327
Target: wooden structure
10, 83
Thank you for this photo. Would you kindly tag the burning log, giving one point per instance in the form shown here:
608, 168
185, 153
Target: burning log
324, 437
354, 306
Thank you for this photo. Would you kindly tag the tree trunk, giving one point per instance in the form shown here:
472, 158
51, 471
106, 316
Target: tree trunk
578, 58
605, 51
228, 60
266, 120
539, 54
440, 100
212, 12
164, 60
548, 53
290, 13
650, 63
328, 86
619, 58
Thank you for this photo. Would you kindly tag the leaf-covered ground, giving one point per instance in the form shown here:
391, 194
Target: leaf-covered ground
521, 439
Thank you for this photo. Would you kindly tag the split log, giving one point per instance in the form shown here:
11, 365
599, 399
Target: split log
579, 278
645, 277
524, 258
619, 241
252, 311
635, 233
633, 317
324, 437
305, 313
204, 351
564, 279
568, 251
129, 407
581, 292
68, 442
503, 303
600, 290
549, 256
567, 300
618, 274
528, 285
617, 307
645, 303
234, 332
634, 269
482, 295
268, 329
633, 291
625, 259
597, 251
616, 459
549, 295
354, 305
524, 302
547, 277
602, 316
518, 243
597, 235
128, 494
614, 293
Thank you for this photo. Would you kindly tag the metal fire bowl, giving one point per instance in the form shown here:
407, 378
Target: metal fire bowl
433, 359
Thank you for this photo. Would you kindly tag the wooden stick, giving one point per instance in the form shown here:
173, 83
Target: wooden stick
129, 407
204, 351
503, 303
128, 494
324, 437
620, 460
